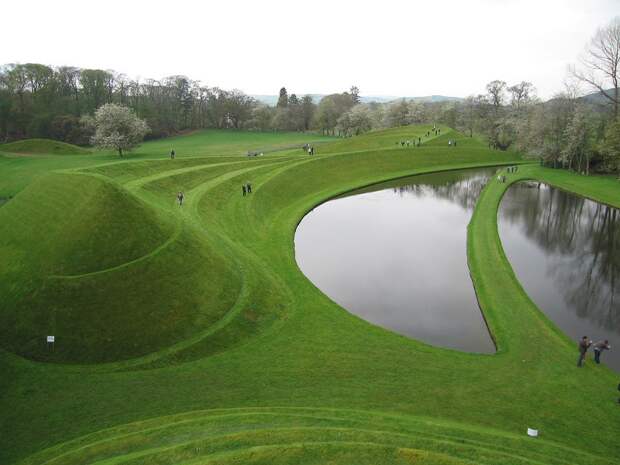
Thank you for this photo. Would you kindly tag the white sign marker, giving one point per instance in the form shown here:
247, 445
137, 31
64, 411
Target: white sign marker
532, 432
50, 338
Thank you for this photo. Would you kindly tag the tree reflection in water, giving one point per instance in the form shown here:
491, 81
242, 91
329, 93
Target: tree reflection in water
584, 238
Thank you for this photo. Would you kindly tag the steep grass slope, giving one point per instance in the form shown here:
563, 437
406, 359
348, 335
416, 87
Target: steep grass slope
88, 262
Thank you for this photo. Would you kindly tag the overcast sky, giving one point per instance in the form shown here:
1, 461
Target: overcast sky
385, 47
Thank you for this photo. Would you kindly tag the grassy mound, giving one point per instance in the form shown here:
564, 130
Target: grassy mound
43, 146
91, 264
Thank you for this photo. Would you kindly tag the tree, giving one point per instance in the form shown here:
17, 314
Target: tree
331, 107
398, 114
283, 98
360, 119
355, 94
496, 90
326, 115
577, 150
521, 94
117, 127
610, 149
308, 108
601, 63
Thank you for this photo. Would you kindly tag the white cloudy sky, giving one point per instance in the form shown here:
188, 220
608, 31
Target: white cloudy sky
385, 47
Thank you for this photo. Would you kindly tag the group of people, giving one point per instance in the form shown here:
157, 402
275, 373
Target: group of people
407, 143
308, 148
246, 189
510, 169
598, 348
435, 130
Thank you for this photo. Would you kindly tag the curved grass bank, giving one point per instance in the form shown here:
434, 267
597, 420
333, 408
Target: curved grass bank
287, 376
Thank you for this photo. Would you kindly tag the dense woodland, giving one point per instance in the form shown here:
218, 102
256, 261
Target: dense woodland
569, 130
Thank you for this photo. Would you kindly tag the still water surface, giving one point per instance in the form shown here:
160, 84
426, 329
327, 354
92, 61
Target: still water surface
395, 255
565, 250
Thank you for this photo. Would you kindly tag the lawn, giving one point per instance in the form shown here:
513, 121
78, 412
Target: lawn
189, 335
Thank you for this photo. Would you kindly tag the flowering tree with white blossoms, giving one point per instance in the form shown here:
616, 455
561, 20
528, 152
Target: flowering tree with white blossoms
117, 127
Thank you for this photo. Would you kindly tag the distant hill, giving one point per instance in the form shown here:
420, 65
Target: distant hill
598, 97
271, 100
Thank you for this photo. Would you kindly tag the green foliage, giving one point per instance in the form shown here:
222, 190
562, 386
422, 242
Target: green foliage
610, 149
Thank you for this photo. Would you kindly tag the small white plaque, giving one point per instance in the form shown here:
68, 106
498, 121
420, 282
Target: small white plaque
532, 432
50, 338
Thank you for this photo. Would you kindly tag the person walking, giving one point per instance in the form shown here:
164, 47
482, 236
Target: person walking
244, 189
248, 187
180, 197
172, 154
599, 347
584, 345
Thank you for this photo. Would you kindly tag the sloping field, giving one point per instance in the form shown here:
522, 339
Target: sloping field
187, 334
42, 146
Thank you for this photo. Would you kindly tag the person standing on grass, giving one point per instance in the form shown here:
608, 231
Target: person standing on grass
180, 198
599, 347
172, 154
248, 187
244, 189
584, 345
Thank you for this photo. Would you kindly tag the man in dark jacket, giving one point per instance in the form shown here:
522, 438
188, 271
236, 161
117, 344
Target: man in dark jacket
584, 345
599, 347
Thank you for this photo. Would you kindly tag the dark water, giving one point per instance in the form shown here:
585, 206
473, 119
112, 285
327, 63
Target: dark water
565, 251
395, 255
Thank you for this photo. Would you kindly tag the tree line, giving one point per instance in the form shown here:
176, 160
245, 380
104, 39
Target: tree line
43, 101
568, 130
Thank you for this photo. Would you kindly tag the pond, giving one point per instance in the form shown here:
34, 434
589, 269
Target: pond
565, 251
395, 255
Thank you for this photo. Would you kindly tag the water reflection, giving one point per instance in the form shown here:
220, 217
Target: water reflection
395, 254
565, 250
